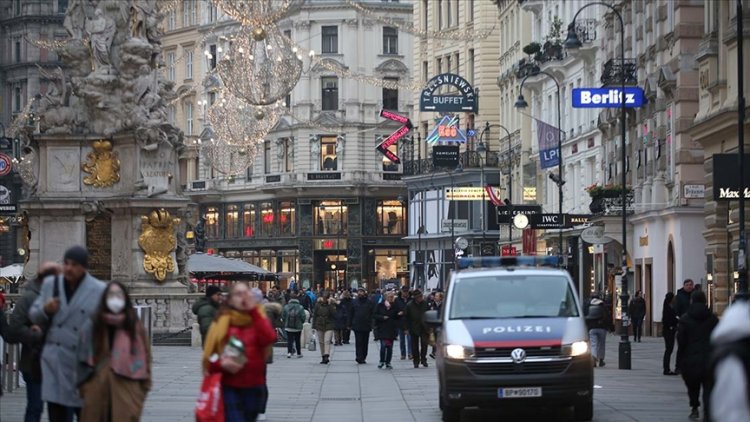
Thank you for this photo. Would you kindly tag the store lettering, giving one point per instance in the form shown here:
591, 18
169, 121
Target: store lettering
728, 193
517, 329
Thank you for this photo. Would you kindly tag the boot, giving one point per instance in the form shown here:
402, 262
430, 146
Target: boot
326, 360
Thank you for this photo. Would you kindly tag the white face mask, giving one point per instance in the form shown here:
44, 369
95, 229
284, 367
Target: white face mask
115, 304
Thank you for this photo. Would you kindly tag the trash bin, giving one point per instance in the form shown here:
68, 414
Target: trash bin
144, 314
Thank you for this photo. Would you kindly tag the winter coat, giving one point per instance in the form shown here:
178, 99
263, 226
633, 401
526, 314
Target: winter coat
361, 317
341, 320
401, 304
668, 320
637, 308
3, 333
205, 309
415, 318
386, 322
19, 331
731, 344
306, 302
277, 298
681, 302
348, 304
324, 316
694, 339
605, 321
290, 307
59, 360
273, 312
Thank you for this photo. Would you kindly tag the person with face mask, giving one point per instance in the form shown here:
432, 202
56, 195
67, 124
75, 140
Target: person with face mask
114, 360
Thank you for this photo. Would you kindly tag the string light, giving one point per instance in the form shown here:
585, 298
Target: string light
240, 123
55, 45
227, 158
258, 12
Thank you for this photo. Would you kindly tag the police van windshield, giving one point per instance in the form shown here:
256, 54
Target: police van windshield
491, 297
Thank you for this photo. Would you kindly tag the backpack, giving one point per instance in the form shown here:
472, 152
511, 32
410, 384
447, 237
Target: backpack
596, 311
293, 317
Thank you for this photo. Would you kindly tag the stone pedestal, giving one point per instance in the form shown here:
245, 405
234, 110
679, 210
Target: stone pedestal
95, 194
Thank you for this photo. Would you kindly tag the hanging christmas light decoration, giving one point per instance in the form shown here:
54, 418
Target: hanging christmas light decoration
258, 12
260, 68
228, 158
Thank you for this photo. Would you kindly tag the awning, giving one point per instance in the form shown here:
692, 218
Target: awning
12, 273
204, 263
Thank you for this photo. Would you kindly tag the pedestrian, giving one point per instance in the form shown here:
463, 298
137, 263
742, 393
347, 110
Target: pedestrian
404, 339
205, 309
694, 351
276, 296
114, 373
637, 312
730, 397
293, 317
436, 305
418, 329
360, 321
387, 318
305, 301
324, 317
31, 336
341, 321
669, 329
347, 303
598, 321
680, 305
243, 380
64, 305
3, 335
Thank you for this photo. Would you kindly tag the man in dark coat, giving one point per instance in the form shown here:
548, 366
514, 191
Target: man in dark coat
404, 340
347, 303
420, 333
637, 312
31, 336
694, 352
360, 320
680, 305
205, 309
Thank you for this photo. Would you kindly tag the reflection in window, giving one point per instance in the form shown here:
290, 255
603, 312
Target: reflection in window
331, 218
248, 220
328, 159
212, 223
266, 219
391, 217
232, 221
286, 218
289, 263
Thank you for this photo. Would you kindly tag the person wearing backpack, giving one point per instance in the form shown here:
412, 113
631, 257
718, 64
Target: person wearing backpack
598, 323
730, 364
293, 317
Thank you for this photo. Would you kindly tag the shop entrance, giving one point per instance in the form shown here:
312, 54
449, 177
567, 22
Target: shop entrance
330, 269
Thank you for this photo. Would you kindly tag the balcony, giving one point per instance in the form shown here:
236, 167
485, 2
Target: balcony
467, 160
607, 206
615, 69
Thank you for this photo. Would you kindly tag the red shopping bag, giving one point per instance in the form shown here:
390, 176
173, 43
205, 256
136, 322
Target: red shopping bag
210, 404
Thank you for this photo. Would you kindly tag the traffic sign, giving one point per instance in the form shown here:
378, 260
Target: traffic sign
6, 164
395, 136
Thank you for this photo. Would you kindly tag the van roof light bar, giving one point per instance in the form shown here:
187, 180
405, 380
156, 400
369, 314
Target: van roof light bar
508, 261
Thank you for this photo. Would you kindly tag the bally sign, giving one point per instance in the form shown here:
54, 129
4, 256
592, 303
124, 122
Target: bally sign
726, 180
464, 100
607, 97
395, 136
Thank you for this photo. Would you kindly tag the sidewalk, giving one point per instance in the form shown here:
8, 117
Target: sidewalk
303, 390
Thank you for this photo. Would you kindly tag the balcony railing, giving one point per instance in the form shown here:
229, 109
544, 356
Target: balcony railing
467, 159
611, 206
586, 30
615, 69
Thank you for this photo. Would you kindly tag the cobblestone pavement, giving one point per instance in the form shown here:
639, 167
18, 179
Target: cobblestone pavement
303, 390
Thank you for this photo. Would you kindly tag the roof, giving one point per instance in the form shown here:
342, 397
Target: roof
204, 263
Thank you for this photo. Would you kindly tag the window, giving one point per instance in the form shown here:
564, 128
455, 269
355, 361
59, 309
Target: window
62, 6
389, 165
440, 14
171, 114
171, 71
330, 39
425, 71
266, 156
470, 15
186, 12
17, 99
212, 56
18, 51
212, 223
18, 7
331, 218
391, 217
390, 40
330, 94
188, 118
457, 61
288, 155
470, 70
212, 12
248, 220
232, 222
288, 33
189, 64
266, 219
448, 64
288, 101
211, 98
425, 9
439, 65
390, 96
287, 214
328, 159
449, 7
172, 20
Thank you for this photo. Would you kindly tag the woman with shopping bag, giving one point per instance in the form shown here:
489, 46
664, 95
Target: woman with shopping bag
237, 347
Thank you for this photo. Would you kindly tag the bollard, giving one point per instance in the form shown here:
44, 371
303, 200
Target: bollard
195, 336
144, 314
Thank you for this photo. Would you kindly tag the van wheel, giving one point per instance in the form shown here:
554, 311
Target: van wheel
584, 411
451, 414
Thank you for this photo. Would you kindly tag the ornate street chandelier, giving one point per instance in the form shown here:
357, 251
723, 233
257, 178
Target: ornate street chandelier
261, 67
258, 12
227, 158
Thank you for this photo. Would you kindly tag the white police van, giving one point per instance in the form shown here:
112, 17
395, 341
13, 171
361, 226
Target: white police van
512, 333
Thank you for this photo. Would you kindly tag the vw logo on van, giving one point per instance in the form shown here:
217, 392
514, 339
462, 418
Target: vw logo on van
518, 355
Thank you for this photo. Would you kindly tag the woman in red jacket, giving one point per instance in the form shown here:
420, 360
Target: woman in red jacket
243, 377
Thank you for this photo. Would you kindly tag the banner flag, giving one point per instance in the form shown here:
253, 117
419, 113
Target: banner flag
548, 137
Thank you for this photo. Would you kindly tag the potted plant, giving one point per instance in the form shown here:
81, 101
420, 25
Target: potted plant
532, 48
553, 48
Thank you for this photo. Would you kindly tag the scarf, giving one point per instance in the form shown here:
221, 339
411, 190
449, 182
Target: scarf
128, 357
217, 337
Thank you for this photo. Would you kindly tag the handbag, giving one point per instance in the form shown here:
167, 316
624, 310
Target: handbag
312, 345
210, 404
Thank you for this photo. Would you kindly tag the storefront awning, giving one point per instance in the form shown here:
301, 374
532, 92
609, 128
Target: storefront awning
204, 263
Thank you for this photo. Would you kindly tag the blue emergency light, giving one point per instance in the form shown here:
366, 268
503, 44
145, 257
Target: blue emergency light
508, 261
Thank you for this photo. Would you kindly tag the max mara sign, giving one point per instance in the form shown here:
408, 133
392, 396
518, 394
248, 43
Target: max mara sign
726, 181
464, 99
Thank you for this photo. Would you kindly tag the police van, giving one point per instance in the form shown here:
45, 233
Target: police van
512, 333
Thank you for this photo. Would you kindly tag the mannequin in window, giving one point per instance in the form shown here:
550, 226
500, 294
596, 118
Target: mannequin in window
392, 221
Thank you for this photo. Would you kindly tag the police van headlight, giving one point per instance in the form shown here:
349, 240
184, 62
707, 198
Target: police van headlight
576, 349
455, 351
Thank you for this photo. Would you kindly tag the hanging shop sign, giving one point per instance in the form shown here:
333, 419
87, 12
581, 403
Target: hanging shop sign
529, 193
445, 156
726, 184
6, 164
448, 130
465, 99
468, 194
395, 136
454, 224
608, 97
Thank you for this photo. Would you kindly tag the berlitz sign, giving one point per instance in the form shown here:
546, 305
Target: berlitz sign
464, 100
726, 177
607, 97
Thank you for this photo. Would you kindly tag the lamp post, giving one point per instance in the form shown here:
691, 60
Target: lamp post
521, 103
741, 257
481, 150
572, 43
508, 204
458, 169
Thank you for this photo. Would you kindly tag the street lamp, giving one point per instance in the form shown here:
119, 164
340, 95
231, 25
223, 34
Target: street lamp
481, 151
573, 43
521, 103
458, 169
508, 204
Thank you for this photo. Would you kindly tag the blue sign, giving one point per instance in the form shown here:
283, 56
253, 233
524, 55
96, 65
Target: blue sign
471, 132
607, 97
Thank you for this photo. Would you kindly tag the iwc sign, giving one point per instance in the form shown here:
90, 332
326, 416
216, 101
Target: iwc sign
465, 99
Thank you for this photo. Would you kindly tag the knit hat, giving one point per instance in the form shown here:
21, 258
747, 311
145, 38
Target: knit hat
212, 290
77, 254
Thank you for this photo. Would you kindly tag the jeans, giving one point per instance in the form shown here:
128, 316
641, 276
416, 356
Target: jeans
293, 341
338, 337
324, 341
404, 341
361, 339
242, 404
637, 328
386, 352
598, 338
34, 403
60, 413
669, 334
346, 334
419, 354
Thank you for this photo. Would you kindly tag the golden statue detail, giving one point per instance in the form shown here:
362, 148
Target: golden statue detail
102, 165
158, 240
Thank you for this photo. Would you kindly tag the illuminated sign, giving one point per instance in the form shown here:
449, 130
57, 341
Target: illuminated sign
468, 194
529, 193
465, 98
395, 136
447, 130
607, 97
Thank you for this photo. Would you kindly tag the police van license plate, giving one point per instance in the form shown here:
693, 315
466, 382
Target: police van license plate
519, 393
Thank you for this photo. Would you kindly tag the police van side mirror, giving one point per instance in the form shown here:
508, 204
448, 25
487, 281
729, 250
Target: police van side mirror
432, 318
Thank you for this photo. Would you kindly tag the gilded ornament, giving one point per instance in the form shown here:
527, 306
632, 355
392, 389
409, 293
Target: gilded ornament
102, 165
158, 240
